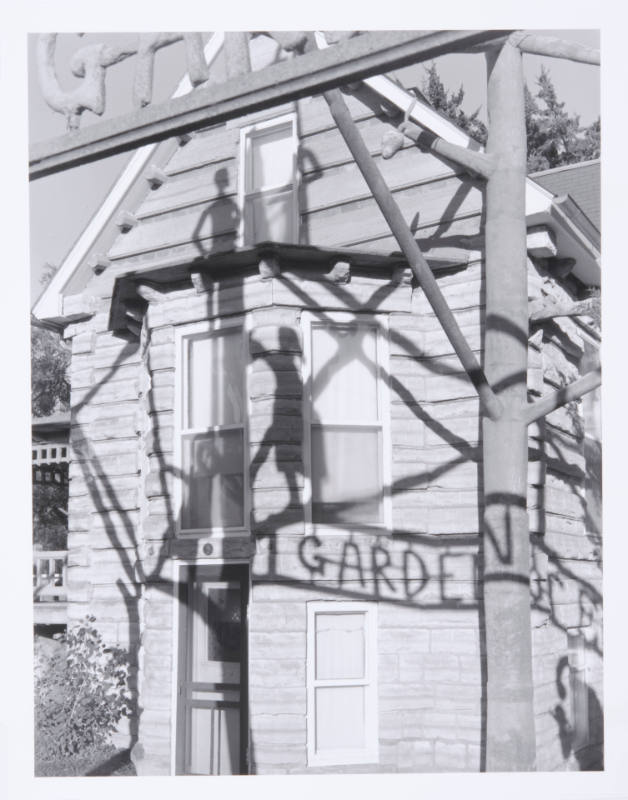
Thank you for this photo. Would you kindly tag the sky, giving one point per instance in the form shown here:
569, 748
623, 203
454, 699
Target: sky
61, 205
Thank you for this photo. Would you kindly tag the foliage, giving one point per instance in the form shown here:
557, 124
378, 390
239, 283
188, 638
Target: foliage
50, 359
451, 105
81, 694
49, 522
97, 760
554, 136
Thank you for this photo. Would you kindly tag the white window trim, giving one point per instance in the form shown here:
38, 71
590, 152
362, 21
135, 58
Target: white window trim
182, 334
245, 136
383, 397
370, 753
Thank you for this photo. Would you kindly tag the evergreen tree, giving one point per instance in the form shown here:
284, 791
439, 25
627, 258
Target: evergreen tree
554, 137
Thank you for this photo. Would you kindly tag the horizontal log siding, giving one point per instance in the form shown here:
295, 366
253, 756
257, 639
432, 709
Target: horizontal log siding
566, 563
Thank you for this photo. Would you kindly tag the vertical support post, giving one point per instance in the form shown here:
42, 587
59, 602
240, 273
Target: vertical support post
510, 738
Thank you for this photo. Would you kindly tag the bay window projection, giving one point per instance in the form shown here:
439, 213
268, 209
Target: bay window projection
347, 436
212, 431
341, 683
268, 183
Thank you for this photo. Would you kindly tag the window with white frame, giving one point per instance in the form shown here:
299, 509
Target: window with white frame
347, 431
211, 427
341, 683
268, 181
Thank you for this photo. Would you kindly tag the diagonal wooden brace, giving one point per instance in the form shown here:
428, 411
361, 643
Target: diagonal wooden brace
574, 391
491, 404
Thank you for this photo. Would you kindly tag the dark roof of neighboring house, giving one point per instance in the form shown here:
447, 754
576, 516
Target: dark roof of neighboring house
580, 181
57, 421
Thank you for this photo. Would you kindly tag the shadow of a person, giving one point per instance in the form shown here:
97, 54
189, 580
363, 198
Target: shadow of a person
217, 228
279, 436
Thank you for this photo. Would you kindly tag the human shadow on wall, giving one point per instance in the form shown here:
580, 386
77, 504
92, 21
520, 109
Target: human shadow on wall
580, 722
217, 227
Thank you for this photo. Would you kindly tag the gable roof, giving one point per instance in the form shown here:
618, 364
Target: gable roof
580, 181
573, 237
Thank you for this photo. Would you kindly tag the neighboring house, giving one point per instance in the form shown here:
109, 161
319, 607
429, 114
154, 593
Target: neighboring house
50, 457
275, 474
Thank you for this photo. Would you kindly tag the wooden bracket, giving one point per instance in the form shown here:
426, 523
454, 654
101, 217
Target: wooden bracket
155, 176
340, 272
150, 292
268, 267
98, 263
541, 242
201, 281
125, 221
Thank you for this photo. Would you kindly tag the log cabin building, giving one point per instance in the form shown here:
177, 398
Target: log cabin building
275, 477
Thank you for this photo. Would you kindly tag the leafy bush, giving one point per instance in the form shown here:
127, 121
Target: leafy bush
81, 693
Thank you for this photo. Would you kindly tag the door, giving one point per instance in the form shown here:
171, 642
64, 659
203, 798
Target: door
212, 725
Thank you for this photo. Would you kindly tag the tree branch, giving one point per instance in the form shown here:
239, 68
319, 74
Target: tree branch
555, 48
552, 401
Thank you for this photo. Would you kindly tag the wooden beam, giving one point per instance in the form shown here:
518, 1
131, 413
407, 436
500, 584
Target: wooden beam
472, 160
407, 243
567, 394
505, 543
316, 71
555, 48
549, 309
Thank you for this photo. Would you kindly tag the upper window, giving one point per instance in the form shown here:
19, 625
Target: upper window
347, 431
211, 426
341, 683
268, 182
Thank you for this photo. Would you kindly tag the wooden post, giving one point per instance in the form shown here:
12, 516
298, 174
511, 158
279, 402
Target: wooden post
510, 738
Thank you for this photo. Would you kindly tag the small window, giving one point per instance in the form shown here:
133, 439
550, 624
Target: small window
212, 438
341, 683
347, 434
268, 182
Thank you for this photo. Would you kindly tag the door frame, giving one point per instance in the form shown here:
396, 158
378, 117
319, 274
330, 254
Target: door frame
238, 569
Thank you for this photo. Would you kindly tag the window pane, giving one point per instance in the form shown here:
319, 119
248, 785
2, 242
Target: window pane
346, 475
271, 158
216, 380
339, 717
339, 646
213, 493
268, 218
344, 373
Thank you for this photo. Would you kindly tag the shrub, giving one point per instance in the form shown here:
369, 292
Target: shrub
81, 693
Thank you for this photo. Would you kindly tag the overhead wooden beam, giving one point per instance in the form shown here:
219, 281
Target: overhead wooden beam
478, 163
567, 394
419, 266
555, 48
316, 71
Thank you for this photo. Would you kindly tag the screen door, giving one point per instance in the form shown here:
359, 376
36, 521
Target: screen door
212, 727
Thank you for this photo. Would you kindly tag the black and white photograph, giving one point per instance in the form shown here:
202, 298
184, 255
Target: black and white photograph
316, 406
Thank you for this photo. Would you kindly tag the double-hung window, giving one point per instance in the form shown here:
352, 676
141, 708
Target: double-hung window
341, 683
211, 427
268, 181
346, 435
